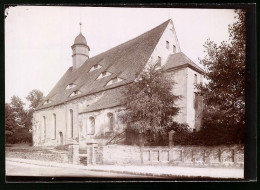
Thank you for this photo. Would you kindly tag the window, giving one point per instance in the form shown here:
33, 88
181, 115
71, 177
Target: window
96, 66
174, 49
158, 63
195, 79
167, 44
54, 126
91, 130
196, 97
70, 124
44, 126
114, 80
111, 122
104, 74
76, 92
47, 102
70, 86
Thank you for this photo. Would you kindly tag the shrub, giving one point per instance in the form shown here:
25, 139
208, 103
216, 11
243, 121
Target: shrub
21, 135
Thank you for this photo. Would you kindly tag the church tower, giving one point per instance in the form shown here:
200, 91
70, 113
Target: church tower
80, 50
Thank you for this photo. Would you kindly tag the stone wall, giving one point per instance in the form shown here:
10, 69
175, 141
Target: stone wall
219, 156
58, 157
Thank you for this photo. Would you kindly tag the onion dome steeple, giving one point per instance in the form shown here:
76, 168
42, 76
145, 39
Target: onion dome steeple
80, 50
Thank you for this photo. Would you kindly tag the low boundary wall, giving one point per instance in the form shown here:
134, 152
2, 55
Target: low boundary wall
219, 156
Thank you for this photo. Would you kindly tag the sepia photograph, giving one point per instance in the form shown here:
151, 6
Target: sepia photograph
125, 93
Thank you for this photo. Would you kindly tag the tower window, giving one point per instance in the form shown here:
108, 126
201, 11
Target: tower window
195, 79
167, 44
174, 49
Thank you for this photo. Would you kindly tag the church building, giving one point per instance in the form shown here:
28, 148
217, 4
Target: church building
83, 106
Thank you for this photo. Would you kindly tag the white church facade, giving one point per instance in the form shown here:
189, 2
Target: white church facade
83, 106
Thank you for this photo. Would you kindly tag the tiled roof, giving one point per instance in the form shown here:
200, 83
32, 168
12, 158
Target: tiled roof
114, 97
109, 98
179, 60
125, 61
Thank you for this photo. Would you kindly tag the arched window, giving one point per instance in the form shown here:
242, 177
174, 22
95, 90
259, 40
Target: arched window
44, 126
174, 49
70, 122
53, 126
91, 130
111, 121
167, 44
195, 79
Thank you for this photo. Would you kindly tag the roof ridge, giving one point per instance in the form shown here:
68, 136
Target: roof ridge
130, 40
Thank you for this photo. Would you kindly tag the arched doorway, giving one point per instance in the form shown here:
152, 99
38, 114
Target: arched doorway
60, 138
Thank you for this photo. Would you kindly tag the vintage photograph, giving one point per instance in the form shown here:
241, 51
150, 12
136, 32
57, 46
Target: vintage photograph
120, 93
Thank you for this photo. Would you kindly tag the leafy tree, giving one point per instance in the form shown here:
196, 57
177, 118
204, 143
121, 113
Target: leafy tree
17, 108
18, 121
10, 123
224, 94
34, 97
149, 103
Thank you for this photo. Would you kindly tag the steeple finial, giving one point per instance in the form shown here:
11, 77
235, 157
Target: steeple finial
80, 23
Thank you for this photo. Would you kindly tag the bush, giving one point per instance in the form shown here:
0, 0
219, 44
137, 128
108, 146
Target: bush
209, 136
21, 135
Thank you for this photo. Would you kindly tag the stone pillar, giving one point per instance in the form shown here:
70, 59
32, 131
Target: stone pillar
171, 138
74, 154
91, 151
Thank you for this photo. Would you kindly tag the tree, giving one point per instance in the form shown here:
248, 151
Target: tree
10, 123
18, 121
34, 97
149, 103
224, 94
17, 109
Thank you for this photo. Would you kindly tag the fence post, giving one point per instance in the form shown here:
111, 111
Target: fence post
171, 138
91, 151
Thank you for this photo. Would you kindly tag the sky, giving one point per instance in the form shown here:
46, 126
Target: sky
38, 39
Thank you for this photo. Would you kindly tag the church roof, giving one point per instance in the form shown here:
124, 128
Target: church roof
80, 40
124, 61
179, 60
114, 97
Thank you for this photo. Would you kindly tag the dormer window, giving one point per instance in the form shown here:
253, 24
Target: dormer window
75, 93
70, 86
47, 102
167, 44
104, 74
114, 80
96, 66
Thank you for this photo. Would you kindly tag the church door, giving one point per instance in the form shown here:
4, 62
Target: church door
60, 138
